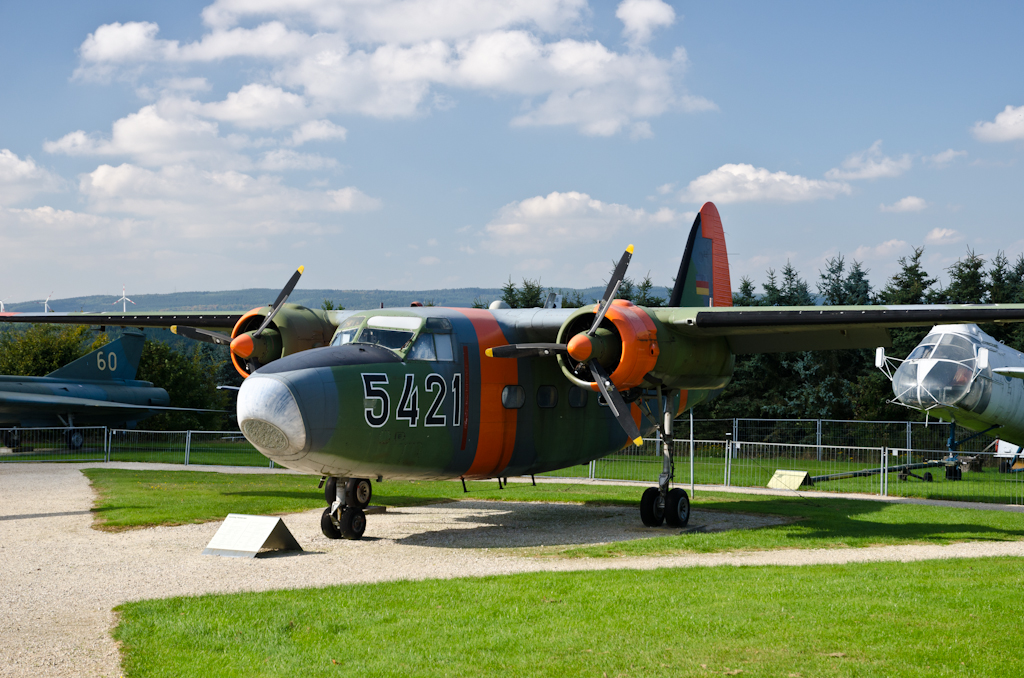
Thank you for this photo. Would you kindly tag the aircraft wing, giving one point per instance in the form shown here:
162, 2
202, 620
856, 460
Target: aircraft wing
759, 329
207, 319
13, 401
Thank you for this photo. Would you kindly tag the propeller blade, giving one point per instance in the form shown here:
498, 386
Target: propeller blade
613, 288
618, 406
281, 298
202, 335
524, 350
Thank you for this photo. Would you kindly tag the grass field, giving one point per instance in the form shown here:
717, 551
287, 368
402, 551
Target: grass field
934, 618
144, 498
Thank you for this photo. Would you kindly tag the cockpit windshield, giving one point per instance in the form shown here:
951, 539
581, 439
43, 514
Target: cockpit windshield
939, 372
391, 332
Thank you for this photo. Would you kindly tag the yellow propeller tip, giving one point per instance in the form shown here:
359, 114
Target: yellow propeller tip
174, 329
489, 353
301, 269
638, 442
630, 249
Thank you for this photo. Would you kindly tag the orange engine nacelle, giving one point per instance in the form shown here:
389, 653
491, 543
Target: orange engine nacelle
632, 327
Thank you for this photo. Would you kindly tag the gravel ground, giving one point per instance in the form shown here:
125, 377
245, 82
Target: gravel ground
61, 578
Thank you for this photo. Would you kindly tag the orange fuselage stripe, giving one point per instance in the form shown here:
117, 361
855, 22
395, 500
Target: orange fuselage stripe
497, 437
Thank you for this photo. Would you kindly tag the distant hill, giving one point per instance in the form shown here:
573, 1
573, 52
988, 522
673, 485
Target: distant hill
243, 300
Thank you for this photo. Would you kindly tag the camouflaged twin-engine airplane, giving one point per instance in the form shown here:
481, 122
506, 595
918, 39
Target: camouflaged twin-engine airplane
437, 393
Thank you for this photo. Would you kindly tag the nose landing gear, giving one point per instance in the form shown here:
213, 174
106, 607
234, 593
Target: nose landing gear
344, 516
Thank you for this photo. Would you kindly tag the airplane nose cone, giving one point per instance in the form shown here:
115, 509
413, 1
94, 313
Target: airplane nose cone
270, 418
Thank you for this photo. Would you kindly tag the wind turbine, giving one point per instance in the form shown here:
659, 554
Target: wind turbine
124, 300
46, 303
2, 305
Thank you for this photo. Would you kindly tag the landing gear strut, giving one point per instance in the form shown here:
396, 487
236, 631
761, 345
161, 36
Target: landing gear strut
663, 503
346, 500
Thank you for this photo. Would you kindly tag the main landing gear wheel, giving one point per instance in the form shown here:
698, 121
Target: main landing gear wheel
330, 490
652, 507
75, 439
327, 525
353, 523
677, 508
358, 492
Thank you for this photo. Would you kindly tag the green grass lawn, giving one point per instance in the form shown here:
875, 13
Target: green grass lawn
130, 499
933, 618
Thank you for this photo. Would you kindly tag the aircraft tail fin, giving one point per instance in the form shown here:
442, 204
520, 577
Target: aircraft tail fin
703, 278
117, 360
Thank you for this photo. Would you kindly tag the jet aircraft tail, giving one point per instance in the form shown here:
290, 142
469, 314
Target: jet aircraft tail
703, 278
115, 361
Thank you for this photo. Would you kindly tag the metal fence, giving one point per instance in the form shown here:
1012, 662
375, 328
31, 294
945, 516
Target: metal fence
219, 448
869, 457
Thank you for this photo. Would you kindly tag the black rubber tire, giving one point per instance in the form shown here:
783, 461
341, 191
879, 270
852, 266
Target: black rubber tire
358, 492
75, 439
677, 508
1004, 465
652, 508
11, 439
327, 525
928, 476
353, 523
331, 490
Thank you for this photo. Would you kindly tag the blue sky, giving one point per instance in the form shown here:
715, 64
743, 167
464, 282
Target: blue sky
414, 144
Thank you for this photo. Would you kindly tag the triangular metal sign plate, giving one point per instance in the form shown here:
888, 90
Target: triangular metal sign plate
243, 536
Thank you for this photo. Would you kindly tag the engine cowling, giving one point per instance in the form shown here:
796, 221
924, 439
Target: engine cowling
632, 343
626, 327
295, 328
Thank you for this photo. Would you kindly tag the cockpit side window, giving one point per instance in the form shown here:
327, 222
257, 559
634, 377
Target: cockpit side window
347, 331
396, 340
432, 347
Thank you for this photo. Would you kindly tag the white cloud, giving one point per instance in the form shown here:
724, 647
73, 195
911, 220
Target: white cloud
909, 204
22, 179
870, 164
743, 183
944, 158
203, 203
1008, 126
942, 236
387, 59
318, 130
259, 106
167, 132
284, 159
561, 220
884, 252
641, 17
406, 21
429, 261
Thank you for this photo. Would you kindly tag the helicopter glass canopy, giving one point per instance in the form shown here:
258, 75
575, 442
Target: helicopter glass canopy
940, 372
